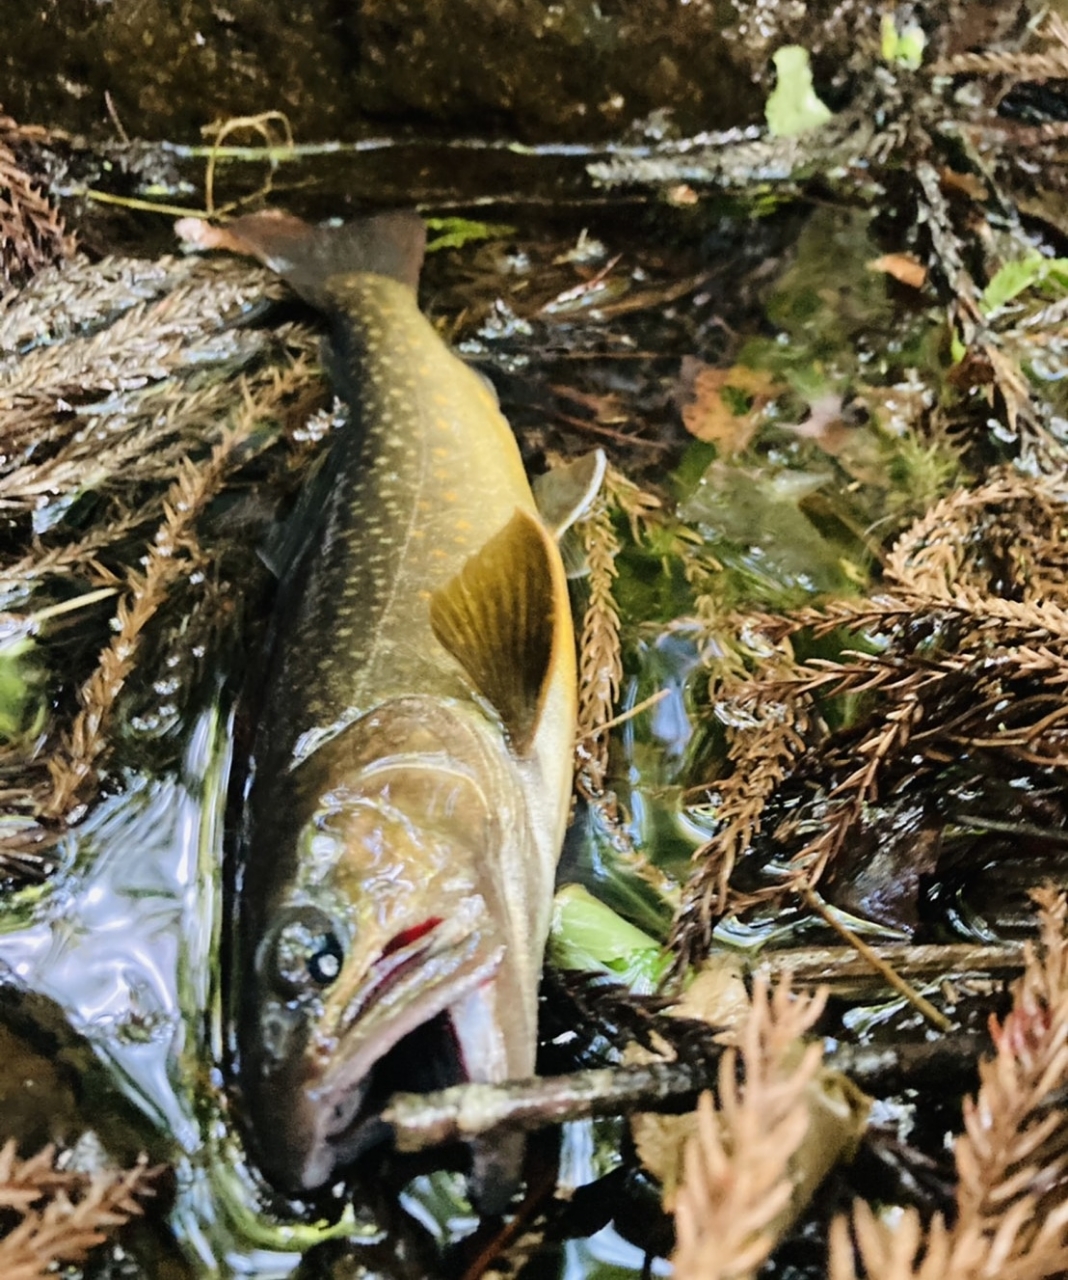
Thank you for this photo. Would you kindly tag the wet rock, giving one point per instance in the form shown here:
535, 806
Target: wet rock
538, 70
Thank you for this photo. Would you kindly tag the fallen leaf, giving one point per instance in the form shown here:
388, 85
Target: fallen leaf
723, 406
966, 183
902, 266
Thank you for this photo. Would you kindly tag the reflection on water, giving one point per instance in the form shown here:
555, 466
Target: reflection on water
125, 935
125, 942
607, 1256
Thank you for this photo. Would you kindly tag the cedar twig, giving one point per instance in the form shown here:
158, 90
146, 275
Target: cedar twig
62, 1213
1012, 1159
971, 656
32, 234
600, 662
764, 743
170, 557
737, 1180
1050, 64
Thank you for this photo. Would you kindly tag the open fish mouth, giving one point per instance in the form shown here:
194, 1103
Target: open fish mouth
408, 988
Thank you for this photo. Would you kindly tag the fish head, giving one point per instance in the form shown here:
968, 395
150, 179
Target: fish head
389, 926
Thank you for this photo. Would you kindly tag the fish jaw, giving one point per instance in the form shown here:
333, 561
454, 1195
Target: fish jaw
309, 1090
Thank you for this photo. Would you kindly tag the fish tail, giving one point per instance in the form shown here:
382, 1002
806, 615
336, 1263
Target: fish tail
307, 257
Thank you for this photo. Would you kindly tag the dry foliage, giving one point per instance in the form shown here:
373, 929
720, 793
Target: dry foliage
1012, 1159
173, 554
966, 652
128, 390
737, 1181
600, 663
726, 404
763, 755
32, 234
641, 507
56, 1215
600, 658
1050, 63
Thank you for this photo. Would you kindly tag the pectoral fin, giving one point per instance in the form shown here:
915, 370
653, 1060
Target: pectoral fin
565, 493
500, 619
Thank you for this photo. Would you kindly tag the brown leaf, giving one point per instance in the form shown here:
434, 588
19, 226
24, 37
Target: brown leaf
966, 183
902, 266
723, 406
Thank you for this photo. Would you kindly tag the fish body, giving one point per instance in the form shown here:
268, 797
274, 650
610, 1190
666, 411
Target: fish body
412, 772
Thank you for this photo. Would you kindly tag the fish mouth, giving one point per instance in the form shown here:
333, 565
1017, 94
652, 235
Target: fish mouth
407, 988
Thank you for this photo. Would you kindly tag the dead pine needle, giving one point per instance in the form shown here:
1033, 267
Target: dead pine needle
636, 710
934, 1016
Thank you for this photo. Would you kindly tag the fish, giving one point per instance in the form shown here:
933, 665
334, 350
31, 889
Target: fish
411, 773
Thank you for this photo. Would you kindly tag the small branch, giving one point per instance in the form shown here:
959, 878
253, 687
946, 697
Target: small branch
465, 1111
934, 1016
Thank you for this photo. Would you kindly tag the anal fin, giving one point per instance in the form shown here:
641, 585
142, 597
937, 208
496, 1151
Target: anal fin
500, 617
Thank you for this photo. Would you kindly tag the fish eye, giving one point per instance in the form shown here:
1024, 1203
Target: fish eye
324, 965
305, 953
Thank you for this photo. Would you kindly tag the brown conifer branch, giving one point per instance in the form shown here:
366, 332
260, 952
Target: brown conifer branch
63, 1214
641, 507
737, 1180
762, 754
1050, 64
1012, 1158
32, 234
171, 556
600, 660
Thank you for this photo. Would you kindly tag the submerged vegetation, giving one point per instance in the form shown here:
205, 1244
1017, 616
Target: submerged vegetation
822, 601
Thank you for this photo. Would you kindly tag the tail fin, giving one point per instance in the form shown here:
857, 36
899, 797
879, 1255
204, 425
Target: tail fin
388, 244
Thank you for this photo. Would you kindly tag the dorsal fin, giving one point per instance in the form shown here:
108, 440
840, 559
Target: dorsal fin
499, 617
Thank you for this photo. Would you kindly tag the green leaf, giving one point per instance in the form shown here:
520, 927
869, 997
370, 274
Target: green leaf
21, 682
589, 936
1012, 278
456, 232
903, 47
792, 106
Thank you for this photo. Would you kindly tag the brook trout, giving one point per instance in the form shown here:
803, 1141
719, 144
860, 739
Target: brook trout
412, 771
